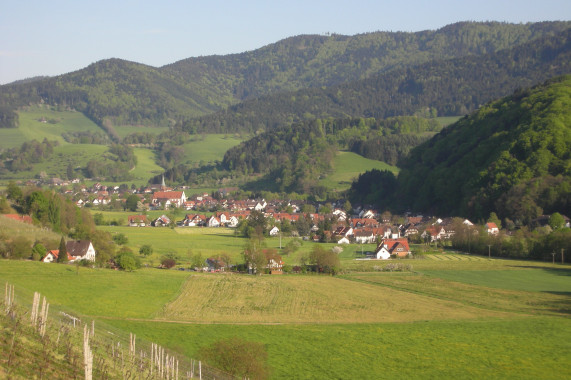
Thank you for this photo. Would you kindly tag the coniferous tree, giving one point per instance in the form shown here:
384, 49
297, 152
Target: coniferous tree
62, 255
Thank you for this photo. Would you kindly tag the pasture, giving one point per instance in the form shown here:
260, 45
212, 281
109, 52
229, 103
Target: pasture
520, 348
209, 148
31, 126
348, 166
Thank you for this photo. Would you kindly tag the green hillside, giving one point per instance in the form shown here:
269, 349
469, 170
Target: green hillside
512, 156
446, 87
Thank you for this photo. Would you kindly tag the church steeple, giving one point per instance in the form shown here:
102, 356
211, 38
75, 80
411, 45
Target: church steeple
163, 185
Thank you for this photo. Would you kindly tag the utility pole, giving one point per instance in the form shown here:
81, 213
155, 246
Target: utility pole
489, 251
562, 257
553, 254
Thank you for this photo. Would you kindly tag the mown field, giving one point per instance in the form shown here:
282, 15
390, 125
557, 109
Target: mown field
433, 322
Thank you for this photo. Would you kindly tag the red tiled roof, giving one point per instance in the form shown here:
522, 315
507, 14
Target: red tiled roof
21, 218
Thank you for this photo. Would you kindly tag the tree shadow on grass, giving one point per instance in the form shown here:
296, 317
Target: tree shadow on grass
563, 307
554, 271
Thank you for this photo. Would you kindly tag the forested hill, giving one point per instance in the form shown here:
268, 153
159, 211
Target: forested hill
513, 156
122, 92
452, 87
309, 61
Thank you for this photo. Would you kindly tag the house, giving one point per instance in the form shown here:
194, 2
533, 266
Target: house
233, 221
364, 236
215, 264
274, 231
275, 263
52, 256
492, 228
343, 231
161, 221
343, 240
137, 220
434, 233
223, 216
20, 218
168, 199
213, 222
392, 247
80, 250
193, 220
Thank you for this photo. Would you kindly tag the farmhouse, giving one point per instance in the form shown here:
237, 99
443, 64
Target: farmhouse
76, 250
80, 250
52, 256
138, 221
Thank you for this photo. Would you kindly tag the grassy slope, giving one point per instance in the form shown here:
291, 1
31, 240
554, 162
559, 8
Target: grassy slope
30, 128
442, 344
529, 348
96, 292
209, 148
348, 166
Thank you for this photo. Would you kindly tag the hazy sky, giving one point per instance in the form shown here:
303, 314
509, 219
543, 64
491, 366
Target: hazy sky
55, 37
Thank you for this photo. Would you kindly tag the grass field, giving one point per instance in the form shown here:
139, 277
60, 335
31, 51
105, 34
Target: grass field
527, 348
209, 148
348, 166
361, 325
31, 128
95, 292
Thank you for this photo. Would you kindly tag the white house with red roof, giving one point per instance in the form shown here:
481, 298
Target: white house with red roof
388, 247
168, 199
492, 228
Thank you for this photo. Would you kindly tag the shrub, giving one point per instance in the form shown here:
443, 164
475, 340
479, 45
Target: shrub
238, 357
168, 262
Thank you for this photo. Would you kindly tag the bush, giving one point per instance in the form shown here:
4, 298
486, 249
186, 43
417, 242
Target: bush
127, 261
168, 262
238, 357
146, 250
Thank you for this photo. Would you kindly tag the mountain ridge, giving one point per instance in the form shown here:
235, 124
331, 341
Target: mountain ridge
215, 82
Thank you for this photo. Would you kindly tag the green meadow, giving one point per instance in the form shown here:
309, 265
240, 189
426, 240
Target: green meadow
348, 166
31, 126
526, 348
209, 148
428, 323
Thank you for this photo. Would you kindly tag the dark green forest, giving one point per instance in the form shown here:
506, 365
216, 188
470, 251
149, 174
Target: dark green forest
512, 156
115, 92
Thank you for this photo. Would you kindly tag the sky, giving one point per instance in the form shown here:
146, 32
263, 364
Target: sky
56, 37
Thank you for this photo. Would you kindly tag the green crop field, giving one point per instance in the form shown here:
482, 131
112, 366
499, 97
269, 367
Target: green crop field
348, 166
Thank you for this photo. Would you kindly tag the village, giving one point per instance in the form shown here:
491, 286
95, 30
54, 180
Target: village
336, 222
